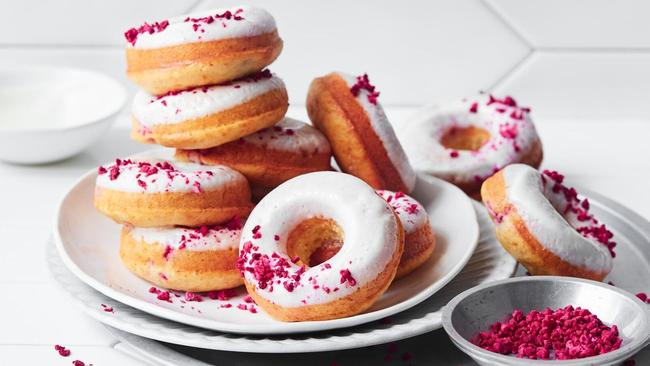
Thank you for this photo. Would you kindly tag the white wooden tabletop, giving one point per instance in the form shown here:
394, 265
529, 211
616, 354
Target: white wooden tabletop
607, 156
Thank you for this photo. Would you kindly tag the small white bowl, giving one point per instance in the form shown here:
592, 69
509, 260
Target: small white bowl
51, 113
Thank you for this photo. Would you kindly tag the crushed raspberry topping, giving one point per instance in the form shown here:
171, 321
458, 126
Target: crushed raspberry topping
222, 295
406, 207
160, 294
64, 352
643, 297
588, 226
276, 269
147, 173
562, 334
198, 23
191, 296
222, 19
79, 363
346, 277
132, 34
107, 308
363, 83
453, 154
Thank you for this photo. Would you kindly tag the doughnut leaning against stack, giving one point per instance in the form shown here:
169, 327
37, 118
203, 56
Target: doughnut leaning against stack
346, 110
546, 225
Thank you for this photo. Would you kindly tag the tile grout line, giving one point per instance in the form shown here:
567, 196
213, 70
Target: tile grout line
511, 27
518, 65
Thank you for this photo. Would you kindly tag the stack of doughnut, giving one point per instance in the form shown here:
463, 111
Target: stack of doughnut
207, 93
319, 244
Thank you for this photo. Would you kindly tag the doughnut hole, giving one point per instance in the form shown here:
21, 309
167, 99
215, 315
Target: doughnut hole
465, 138
314, 241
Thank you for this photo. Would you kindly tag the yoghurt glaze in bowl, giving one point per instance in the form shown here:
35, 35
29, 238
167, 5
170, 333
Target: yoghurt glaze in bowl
52, 113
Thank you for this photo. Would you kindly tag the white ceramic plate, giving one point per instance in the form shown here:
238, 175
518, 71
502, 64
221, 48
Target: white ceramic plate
488, 263
88, 243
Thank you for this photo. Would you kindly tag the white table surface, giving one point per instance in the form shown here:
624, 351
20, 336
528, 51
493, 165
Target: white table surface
608, 156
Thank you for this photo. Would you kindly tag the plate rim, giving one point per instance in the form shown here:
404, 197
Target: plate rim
271, 328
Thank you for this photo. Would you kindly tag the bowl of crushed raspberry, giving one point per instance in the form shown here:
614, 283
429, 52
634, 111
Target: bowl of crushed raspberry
541, 320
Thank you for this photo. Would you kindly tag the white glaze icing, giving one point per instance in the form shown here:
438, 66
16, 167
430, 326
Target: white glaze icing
215, 238
255, 22
539, 207
290, 135
384, 131
367, 221
185, 177
186, 105
411, 213
421, 139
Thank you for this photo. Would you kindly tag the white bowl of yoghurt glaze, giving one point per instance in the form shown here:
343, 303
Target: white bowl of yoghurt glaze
51, 113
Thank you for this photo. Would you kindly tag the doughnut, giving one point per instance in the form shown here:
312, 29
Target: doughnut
469, 140
270, 157
212, 47
211, 115
346, 110
419, 239
546, 225
297, 217
186, 259
149, 193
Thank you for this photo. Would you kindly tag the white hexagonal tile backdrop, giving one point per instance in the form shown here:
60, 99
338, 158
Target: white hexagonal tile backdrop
567, 58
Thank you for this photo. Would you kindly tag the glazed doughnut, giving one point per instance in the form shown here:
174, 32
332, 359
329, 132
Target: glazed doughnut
272, 156
346, 110
201, 49
467, 141
419, 239
162, 193
200, 259
210, 116
299, 216
546, 225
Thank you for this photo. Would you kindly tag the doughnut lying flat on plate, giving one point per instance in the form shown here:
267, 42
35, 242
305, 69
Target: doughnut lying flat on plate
162, 193
419, 238
186, 259
546, 225
346, 110
469, 140
209, 116
299, 216
212, 47
270, 157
